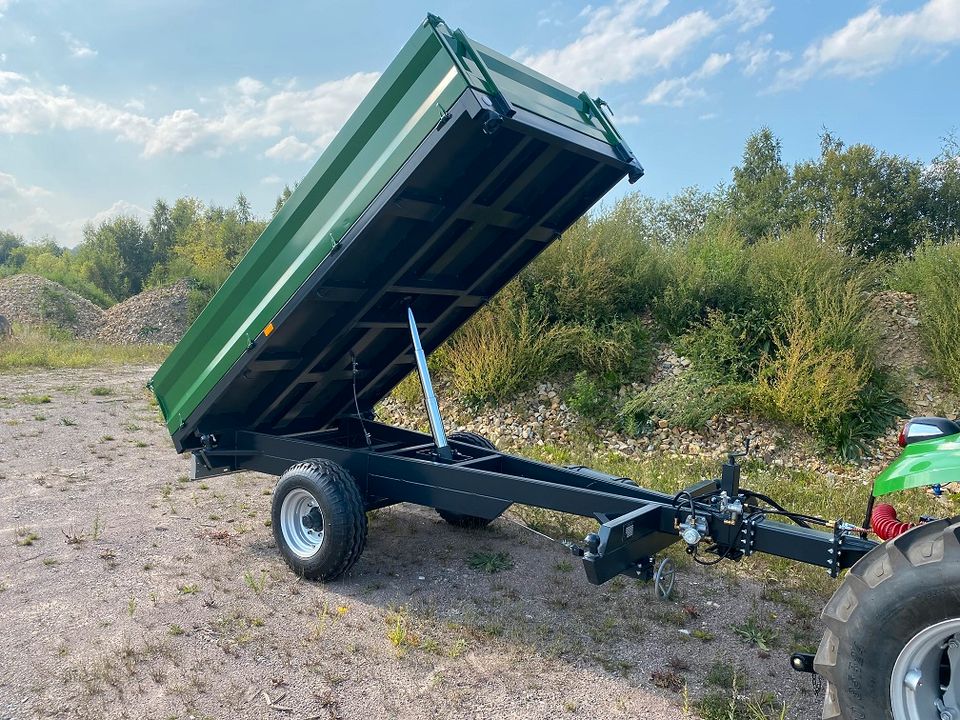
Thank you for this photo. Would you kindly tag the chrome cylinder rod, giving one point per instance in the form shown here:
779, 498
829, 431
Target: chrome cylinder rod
429, 397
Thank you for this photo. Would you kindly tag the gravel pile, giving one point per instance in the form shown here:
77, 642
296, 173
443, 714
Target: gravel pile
32, 300
154, 317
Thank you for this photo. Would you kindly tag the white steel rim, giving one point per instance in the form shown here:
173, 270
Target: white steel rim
925, 682
302, 523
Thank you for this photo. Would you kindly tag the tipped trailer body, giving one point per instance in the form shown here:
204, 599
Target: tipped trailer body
458, 169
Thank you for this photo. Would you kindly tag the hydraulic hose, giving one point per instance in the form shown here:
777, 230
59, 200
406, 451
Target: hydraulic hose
885, 523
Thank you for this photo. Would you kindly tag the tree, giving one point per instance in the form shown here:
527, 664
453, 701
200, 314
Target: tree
282, 198
8, 243
161, 231
244, 211
117, 255
942, 181
759, 197
863, 200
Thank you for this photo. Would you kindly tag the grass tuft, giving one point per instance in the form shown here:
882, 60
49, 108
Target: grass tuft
33, 347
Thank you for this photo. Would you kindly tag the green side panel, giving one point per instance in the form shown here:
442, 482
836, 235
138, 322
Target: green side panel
930, 462
395, 117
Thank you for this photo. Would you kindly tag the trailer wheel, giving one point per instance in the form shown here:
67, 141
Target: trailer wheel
318, 519
891, 649
459, 519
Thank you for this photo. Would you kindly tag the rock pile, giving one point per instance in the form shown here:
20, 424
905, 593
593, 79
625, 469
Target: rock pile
32, 300
154, 317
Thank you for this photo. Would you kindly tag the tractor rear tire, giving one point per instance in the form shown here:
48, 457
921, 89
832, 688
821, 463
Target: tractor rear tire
318, 519
472, 522
884, 626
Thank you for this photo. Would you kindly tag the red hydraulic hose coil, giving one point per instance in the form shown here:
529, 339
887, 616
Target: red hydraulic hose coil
885, 523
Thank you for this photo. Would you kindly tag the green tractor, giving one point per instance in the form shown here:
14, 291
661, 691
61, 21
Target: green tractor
891, 648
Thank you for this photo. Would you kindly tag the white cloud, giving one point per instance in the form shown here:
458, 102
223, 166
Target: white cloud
613, 47
249, 86
241, 114
749, 14
8, 78
290, 148
30, 211
271, 180
873, 41
78, 48
120, 207
681, 90
23, 208
756, 56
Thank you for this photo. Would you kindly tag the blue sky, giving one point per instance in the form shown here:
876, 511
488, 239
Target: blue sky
106, 105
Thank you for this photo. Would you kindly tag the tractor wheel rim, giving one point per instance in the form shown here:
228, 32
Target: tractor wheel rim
302, 523
925, 682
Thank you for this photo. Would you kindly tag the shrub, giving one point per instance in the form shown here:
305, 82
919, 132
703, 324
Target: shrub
934, 276
590, 399
503, 350
727, 345
706, 272
795, 265
876, 408
806, 381
616, 352
55, 307
688, 400
602, 268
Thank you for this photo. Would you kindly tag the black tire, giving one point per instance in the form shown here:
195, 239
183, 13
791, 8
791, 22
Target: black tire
897, 590
342, 519
472, 522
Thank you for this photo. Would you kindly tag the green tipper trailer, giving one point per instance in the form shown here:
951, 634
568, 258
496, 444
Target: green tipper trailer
446, 156
457, 170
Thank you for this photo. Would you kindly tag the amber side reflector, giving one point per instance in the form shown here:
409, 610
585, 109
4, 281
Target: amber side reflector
267, 330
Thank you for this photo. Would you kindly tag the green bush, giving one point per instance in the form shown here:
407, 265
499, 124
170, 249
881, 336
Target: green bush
591, 399
602, 268
688, 401
806, 381
618, 352
706, 272
875, 410
504, 350
56, 308
933, 274
727, 345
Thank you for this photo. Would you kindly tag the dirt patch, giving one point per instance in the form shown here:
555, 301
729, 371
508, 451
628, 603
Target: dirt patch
155, 317
128, 591
33, 300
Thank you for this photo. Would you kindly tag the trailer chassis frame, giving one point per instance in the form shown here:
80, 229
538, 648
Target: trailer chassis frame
393, 465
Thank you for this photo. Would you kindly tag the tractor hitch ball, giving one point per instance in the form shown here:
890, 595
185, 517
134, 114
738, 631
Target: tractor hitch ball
592, 542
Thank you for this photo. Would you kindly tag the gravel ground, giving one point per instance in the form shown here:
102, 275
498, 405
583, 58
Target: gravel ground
127, 591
